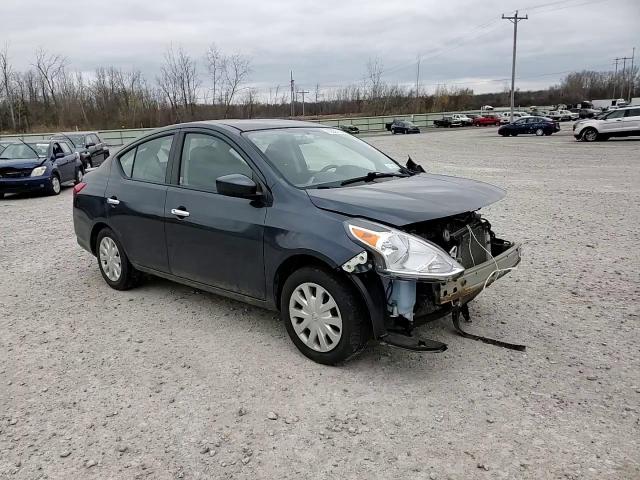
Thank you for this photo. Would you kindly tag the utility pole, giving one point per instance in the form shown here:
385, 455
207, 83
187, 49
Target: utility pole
303, 92
624, 67
631, 75
515, 19
418, 78
615, 78
293, 101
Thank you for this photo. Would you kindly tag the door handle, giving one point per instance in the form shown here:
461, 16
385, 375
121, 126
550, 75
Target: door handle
113, 201
179, 212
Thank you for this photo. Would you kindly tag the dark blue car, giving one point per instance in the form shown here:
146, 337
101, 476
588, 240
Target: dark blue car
533, 124
38, 166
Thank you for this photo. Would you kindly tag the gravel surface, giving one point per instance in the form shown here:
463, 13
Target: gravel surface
166, 382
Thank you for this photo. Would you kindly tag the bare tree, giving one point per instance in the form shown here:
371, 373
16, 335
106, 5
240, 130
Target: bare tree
50, 67
6, 74
216, 65
235, 73
179, 81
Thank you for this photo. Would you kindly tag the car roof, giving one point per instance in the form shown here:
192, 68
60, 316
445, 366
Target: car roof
75, 133
252, 124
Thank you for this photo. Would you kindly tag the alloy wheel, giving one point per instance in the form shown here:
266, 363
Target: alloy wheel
539, 132
110, 260
55, 184
315, 317
590, 135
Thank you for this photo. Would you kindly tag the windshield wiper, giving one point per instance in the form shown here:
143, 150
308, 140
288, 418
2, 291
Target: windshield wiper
371, 176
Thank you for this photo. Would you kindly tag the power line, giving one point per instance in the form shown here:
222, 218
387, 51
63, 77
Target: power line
515, 19
303, 92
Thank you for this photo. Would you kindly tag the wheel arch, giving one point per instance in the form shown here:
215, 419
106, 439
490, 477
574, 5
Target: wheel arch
367, 286
93, 238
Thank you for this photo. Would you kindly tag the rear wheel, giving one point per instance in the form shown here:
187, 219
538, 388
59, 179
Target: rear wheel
590, 135
114, 264
515, 134
539, 132
323, 315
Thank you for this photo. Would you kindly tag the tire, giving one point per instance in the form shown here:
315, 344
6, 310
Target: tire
590, 134
128, 276
539, 132
349, 338
79, 176
514, 134
54, 187
1, 195
393, 131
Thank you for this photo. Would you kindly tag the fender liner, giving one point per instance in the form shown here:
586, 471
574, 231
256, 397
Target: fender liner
370, 287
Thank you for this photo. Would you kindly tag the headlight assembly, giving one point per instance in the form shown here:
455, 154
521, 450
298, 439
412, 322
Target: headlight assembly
402, 255
38, 171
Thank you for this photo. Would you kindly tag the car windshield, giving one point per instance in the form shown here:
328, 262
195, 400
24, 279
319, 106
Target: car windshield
21, 151
77, 140
311, 157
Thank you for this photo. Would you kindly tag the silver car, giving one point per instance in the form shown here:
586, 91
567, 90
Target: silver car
622, 122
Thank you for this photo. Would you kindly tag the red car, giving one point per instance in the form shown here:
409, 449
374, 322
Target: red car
485, 120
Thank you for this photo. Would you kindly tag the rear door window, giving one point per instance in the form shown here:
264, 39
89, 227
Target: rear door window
151, 159
126, 161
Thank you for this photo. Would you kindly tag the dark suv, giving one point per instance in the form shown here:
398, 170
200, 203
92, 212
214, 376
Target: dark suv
92, 149
294, 216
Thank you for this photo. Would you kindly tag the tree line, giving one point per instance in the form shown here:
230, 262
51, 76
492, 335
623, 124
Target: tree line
49, 95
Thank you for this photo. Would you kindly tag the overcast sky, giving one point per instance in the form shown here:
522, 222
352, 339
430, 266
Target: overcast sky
329, 41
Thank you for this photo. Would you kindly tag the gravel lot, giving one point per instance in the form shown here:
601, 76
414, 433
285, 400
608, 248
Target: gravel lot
167, 382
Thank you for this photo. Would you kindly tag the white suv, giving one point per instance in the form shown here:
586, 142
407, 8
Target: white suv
621, 122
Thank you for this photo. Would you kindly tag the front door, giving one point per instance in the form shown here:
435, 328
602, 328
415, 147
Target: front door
211, 238
135, 198
613, 122
65, 160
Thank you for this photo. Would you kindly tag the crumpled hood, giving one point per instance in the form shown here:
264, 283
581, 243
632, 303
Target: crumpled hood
22, 163
402, 201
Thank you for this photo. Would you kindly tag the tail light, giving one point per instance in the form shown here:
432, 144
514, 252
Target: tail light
78, 188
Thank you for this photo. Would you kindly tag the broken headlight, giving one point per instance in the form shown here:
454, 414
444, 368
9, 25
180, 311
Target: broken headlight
400, 254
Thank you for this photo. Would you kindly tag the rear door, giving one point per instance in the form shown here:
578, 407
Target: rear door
631, 120
135, 198
211, 238
97, 151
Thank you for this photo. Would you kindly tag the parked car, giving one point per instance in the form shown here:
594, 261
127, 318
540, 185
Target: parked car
404, 126
298, 217
465, 121
621, 122
506, 116
487, 119
563, 115
352, 129
538, 125
38, 166
92, 149
447, 122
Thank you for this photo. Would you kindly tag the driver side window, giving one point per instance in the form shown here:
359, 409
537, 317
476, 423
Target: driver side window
206, 158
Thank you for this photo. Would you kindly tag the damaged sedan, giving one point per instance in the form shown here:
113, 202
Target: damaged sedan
348, 244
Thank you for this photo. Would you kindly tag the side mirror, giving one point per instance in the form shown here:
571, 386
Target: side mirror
89, 145
237, 185
59, 155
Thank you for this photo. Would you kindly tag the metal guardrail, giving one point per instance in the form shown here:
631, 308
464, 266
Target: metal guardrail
116, 138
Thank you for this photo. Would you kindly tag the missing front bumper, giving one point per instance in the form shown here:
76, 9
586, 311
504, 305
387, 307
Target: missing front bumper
474, 280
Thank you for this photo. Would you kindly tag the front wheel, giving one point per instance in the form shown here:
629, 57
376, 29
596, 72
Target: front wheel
114, 264
590, 135
54, 185
79, 175
515, 134
323, 315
